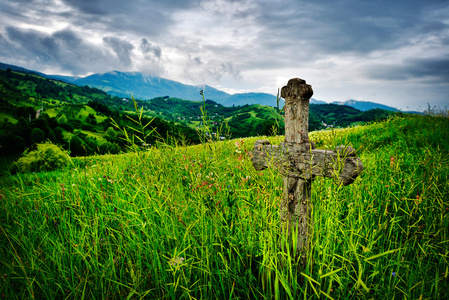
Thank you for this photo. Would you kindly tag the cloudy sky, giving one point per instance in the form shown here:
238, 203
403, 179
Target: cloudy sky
394, 52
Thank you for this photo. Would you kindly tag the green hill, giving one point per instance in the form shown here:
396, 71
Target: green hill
200, 222
34, 109
30, 102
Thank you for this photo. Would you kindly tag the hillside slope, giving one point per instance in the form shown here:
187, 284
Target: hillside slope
201, 215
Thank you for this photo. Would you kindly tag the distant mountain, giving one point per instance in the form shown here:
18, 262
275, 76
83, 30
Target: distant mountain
249, 98
364, 105
146, 87
19, 69
314, 101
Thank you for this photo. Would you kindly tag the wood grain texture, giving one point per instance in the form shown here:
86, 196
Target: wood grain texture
299, 163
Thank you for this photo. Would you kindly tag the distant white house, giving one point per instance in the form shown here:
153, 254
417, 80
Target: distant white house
327, 125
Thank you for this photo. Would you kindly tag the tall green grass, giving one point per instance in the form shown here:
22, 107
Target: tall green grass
200, 222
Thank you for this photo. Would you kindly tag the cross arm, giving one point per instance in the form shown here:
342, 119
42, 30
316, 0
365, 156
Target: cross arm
292, 162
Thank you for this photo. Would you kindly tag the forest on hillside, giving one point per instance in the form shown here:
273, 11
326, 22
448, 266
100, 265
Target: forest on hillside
34, 109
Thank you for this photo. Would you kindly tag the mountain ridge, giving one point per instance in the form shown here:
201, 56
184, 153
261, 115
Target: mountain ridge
147, 86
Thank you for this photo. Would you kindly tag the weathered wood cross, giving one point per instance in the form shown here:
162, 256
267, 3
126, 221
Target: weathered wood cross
299, 162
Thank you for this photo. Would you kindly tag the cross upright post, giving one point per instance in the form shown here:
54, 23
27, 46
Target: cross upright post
299, 162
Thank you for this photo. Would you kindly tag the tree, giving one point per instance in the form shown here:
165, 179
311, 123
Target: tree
37, 135
58, 133
22, 128
270, 127
91, 119
112, 148
52, 136
110, 133
62, 120
41, 123
76, 146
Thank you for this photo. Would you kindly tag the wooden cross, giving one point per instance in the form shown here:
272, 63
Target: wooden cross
299, 162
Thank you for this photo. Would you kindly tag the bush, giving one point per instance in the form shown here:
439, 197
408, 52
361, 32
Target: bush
47, 157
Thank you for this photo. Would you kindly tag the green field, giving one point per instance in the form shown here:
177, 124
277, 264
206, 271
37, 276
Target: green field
200, 222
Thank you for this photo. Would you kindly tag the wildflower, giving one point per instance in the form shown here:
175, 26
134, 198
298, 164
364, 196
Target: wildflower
393, 273
175, 261
245, 179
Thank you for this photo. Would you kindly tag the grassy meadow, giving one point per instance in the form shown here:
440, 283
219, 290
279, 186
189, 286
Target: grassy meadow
199, 222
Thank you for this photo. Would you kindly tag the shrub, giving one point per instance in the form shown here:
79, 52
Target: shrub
47, 157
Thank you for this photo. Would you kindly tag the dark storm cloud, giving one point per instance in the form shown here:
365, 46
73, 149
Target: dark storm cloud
139, 16
121, 47
94, 7
337, 27
10, 7
100, 7
431, 67
38, 45
246, 41
150, 50
68, 38
63, 49
425, 70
